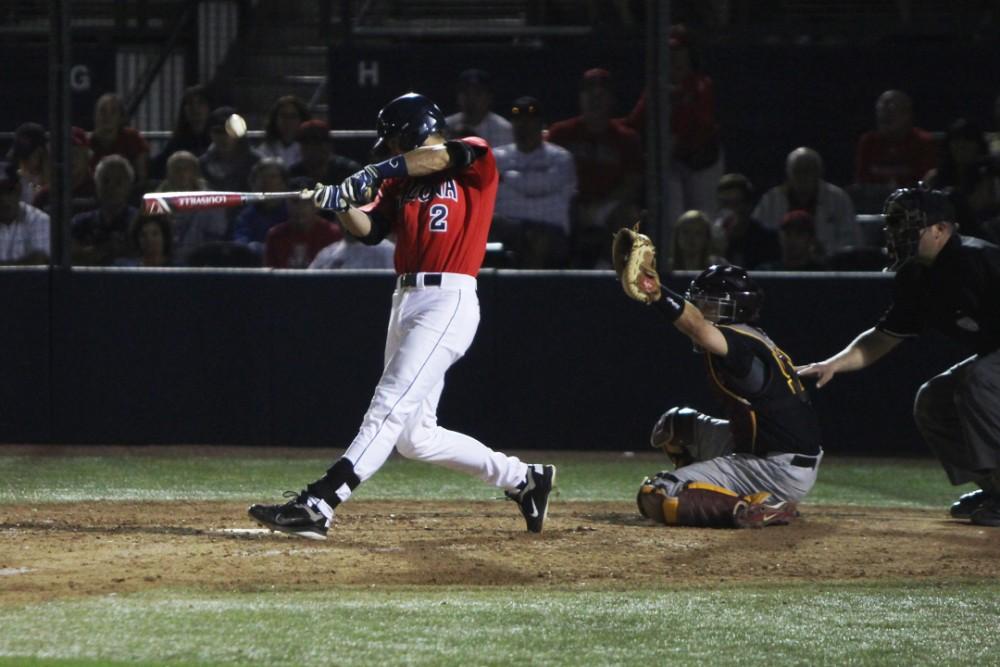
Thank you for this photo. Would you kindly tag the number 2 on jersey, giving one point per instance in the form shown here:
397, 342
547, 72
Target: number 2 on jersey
439, 218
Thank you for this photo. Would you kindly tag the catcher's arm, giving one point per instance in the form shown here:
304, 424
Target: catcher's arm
633, 256
702, 333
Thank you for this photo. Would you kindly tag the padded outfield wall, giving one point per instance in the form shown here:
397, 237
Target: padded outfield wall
561, 360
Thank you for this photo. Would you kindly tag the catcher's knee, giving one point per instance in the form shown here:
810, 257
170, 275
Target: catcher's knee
674, 434
696, 504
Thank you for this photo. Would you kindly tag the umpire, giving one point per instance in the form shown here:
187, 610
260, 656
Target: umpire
950, 283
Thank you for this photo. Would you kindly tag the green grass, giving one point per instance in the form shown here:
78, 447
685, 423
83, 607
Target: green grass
871, 482
837, 625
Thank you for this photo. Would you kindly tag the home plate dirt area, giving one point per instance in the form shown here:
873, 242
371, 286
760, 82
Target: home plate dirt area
92, 548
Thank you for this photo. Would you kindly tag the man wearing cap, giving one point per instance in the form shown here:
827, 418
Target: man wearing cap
608, 160
227, 163
30, 156
83, 192
475, 98
24, 230
319, 161
799, 247
537, 183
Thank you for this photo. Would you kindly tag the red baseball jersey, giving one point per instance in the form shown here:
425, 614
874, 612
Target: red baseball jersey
441, 221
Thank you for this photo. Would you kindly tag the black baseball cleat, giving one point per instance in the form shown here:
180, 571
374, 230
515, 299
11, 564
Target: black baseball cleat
968, 503
988, 514
294, 517
533, 496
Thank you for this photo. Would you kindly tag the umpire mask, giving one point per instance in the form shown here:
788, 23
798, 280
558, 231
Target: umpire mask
907, 212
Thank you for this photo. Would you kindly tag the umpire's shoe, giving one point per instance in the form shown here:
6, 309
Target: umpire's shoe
968, 503
533, 495
295, 517
988, 514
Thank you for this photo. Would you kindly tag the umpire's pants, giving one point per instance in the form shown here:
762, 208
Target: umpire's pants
958, 413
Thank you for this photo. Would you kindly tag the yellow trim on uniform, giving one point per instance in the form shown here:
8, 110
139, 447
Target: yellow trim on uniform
708, 486
670, 506
739, 399
757, 498
784, 361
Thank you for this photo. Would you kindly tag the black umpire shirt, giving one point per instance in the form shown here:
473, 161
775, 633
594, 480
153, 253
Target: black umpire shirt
767, 406
957, 294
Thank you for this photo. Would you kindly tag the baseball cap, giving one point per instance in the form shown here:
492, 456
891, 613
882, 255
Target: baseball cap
219, 116
313, 130
27, 137
525, 106
798, 219
474, 77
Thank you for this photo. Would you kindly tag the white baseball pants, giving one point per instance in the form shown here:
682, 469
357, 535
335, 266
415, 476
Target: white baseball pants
430, 328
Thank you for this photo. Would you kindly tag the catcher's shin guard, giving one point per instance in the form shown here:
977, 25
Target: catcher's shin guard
699, 504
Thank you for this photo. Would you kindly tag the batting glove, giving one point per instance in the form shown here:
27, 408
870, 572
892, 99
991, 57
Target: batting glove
330, 197
361, 187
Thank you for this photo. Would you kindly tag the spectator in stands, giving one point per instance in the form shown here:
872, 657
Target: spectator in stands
295, 243
24, 230
191, 229
697, 162
228, 161
281, 132
804, 188
993, 138
81, 179
537, 184
475, 99
350, 253
971, 176
745, 240
30, 155
151, 234
799, 245
608, 160
693, 246
254, 221
101, 236
112, 136
190, 130
319, 161
895, 154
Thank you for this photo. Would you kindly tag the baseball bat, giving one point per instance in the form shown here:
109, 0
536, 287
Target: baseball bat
197, 200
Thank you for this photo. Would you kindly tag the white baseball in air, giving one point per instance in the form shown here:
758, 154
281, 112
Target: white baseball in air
236, 127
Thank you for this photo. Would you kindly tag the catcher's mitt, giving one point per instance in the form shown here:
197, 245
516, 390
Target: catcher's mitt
634, 258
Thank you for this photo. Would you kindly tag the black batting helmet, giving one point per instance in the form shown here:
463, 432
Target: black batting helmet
906, 212
726, 294
410, 118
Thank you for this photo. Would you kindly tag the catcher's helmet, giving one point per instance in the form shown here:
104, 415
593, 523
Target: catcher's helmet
726, 294
906, 212
411, 118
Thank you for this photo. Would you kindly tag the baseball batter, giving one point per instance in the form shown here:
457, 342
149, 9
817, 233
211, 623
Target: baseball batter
751, 469
437, 198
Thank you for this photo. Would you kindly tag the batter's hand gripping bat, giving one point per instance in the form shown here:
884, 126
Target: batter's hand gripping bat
170, 202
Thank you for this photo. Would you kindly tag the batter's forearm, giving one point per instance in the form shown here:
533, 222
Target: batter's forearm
356, 222
426, 160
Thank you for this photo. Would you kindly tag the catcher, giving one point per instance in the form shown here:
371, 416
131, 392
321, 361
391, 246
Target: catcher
750, 469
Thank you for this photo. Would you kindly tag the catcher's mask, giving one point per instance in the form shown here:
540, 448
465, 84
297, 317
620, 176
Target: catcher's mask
907, 211
726, 295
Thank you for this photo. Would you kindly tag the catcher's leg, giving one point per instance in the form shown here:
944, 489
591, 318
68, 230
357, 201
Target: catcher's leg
687, 436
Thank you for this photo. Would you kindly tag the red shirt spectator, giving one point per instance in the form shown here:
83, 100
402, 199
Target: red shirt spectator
603, 157
896, 154
112, 137
294, 244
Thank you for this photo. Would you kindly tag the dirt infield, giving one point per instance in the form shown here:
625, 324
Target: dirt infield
65, 550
